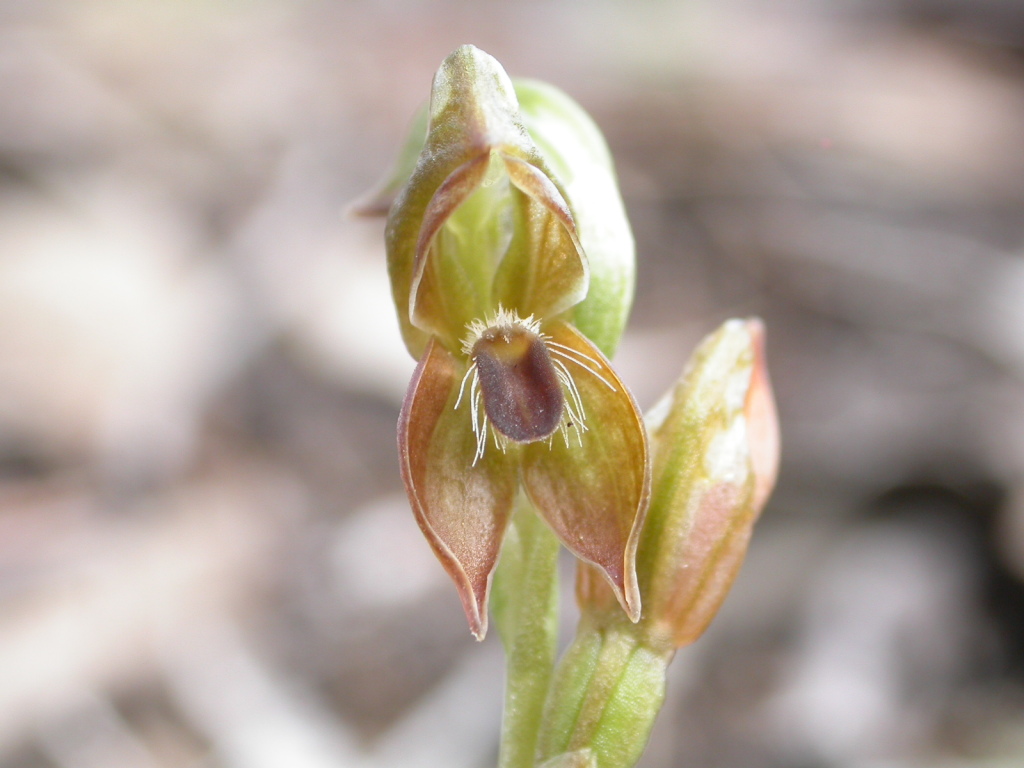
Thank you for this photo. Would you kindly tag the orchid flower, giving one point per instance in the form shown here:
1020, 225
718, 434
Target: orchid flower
490, 280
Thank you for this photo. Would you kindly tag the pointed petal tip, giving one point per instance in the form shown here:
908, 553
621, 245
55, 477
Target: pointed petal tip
594, 495
462, 510
633, 610
474, 600
477, 618
627, 592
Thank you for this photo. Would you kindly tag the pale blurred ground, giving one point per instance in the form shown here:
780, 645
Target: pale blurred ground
206, 560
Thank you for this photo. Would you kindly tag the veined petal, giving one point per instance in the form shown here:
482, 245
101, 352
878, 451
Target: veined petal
593, 487
544, 271
463, 508
576, 153
448, 290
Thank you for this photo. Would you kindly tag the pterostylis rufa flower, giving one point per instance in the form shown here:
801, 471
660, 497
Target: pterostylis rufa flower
488, 273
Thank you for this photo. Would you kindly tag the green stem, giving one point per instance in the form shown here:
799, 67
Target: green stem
526, 613
606, 695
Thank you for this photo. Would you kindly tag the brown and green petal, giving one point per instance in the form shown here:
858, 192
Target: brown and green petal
543, 272
462, 506
593, 488
576, 153
454, 260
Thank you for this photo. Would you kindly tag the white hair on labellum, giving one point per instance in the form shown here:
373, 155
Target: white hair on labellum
507, 321
502, 320
573, 355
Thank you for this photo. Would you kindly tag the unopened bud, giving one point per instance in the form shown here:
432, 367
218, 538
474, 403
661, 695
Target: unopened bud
716, 458
715, 448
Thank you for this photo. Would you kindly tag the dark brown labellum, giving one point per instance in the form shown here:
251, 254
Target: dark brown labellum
522, 394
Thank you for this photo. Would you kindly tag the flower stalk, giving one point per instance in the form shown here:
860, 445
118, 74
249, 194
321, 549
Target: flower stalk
511, 266
525, 607
607, 691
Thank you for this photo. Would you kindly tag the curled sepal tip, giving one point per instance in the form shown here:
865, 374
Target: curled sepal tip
463, 506
592, 482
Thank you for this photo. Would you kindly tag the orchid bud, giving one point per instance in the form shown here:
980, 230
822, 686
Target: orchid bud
715, 448
716, 459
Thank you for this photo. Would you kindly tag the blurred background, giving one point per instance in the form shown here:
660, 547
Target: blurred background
206, 557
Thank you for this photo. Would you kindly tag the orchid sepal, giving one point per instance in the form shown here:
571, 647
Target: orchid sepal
462, 507
475, 147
